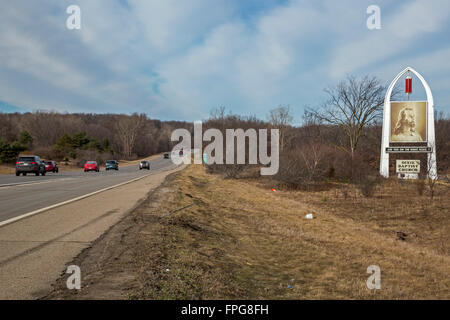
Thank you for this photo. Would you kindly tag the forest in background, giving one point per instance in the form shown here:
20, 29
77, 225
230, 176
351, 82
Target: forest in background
79, 137
339, 139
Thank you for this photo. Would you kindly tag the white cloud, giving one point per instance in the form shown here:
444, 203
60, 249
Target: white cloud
179, 59
400, 31
172, 24
245, 62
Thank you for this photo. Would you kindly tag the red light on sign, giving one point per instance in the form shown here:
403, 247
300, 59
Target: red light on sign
408, 85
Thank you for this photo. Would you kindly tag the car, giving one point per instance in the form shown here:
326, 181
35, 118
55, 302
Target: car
30, 164
51, 166
144, 165
91, 166
167, 155
112, 165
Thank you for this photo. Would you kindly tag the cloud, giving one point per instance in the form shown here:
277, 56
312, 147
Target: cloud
403, 28
242, 64
178, 59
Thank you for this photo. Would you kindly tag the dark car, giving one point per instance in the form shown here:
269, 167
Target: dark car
167, 155
30, 164
91, 166
112, 165
144, 165
51, 166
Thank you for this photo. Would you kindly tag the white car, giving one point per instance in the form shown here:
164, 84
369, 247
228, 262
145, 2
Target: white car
144, 165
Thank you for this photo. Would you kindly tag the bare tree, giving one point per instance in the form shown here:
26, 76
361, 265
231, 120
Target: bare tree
217, 113
352, 105
431, 175
281, 118
128, 128
312, 157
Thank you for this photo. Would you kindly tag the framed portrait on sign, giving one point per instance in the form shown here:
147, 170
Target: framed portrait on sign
408, 121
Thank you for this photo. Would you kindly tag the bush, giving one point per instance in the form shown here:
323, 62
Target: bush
10, 151
305, 165
25, 139
232, 171
228, 170
48, 153
92, 155
420, 186
366, 185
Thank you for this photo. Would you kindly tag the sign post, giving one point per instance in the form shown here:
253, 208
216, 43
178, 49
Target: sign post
403, 128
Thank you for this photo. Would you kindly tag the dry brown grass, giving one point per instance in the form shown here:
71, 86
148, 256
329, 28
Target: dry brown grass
131, 162
200, 236
7, 169
241, 240
395, 206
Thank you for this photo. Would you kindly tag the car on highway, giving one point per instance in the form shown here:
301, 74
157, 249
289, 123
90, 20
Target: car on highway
144, 165
91, 166
167, 155
51, 166
30, 164
112, 165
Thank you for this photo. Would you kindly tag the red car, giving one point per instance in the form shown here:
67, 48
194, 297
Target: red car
91, 166
51, 166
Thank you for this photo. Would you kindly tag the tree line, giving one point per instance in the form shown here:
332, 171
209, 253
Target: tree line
338, 139
80, 137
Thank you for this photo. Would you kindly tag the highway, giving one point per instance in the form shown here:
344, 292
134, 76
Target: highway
37, 245
24, 194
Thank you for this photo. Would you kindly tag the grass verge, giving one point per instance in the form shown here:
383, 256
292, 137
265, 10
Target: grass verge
204, 237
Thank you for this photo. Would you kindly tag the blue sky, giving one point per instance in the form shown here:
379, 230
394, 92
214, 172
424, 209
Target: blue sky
176, 59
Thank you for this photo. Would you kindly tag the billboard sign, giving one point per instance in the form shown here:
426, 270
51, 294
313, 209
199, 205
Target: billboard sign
408, 121
408, 166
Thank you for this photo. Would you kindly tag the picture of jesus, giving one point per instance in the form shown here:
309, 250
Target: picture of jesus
408, 121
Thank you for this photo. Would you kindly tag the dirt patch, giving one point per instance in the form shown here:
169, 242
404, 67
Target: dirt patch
203, 237
7, 169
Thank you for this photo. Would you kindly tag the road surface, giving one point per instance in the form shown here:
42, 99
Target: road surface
35, 250
23, 194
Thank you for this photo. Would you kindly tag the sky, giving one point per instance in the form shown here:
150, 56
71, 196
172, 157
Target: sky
179, 59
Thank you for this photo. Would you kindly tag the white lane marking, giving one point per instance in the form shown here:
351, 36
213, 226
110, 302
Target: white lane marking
29, 214
20, 184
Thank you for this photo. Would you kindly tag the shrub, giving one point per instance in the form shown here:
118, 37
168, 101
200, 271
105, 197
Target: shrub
230, 171
25, 139
420, 186
366, 185
10, 151
92, 155
305, 165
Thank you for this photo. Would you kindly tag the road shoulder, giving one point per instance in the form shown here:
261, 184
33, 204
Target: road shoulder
35, 251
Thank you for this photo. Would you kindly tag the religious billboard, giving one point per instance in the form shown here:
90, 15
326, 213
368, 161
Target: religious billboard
408, 121
407, 166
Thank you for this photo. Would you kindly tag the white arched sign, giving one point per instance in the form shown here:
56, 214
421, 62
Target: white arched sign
384, 158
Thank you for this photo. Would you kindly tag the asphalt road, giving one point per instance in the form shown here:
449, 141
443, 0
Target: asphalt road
20, 195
